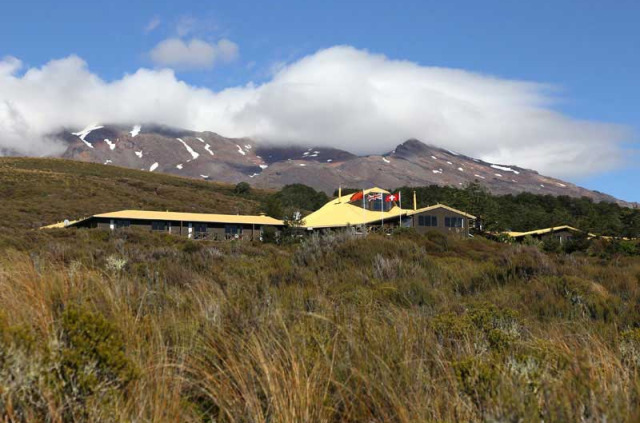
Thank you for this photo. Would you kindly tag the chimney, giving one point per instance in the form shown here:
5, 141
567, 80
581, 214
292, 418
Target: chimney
340, 194
415, 201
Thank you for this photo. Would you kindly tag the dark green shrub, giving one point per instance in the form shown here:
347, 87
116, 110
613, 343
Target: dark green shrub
93, 353
269, 235
242, 188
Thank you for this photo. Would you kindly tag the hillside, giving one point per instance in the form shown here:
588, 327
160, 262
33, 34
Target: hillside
207, 155
36, 192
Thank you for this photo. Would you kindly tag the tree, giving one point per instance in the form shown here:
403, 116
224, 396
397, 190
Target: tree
242, 188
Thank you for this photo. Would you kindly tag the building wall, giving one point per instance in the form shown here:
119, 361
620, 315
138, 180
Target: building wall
214, 231
440, 215
562, 236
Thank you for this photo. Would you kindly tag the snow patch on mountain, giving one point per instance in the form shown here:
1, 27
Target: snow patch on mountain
111, 145
208, 148
86, 131
135, 131
153, 167
191, 151
506, 169
240, 150
139, 154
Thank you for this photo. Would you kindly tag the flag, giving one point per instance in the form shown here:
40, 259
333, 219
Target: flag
373, 197
391, 197
357, 196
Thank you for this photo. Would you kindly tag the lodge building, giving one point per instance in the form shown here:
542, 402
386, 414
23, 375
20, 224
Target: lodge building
562, 234
191, 225
372, 212
366, 211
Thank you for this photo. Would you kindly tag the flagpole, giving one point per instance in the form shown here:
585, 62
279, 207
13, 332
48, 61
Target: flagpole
400, 200
364, 214
382, 211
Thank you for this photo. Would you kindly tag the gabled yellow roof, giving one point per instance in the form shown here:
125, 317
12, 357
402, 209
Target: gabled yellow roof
176, 216
439, 206
543, 231
333, 215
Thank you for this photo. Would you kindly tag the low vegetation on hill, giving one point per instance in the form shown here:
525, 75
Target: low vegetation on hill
137, 326
122, 326
37, 192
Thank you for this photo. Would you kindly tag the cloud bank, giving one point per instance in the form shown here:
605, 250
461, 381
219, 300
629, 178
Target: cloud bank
340, 97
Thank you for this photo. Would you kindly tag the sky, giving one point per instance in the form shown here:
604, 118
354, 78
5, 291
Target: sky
548, 85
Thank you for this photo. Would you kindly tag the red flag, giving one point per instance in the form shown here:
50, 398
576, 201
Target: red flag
391, 197
357, 196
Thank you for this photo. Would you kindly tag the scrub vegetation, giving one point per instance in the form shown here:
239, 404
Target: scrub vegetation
137, 326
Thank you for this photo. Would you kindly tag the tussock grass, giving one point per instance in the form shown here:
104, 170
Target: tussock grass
133, 326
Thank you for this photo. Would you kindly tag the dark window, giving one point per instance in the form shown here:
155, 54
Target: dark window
427, 221
123, 223
232, 229
158, 225
200, 227
453, 222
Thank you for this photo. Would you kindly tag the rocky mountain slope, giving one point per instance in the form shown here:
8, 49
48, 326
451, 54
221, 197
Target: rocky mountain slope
207, 155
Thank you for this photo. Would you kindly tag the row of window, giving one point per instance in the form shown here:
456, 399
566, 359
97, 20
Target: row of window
449, 222
453, 222
160, 225
427, 220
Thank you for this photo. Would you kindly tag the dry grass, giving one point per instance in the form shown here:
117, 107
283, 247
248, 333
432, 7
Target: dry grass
404, 329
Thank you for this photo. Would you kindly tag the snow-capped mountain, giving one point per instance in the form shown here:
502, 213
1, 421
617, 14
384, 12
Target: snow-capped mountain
207, 155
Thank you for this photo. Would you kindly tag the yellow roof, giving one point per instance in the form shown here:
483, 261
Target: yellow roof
339, 212
176, 216
60, 225
439, 206
543, 231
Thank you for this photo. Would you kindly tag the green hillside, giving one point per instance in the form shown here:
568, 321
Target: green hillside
36, 192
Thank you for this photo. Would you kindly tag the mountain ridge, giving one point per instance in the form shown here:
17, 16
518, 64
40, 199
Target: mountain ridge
208, 155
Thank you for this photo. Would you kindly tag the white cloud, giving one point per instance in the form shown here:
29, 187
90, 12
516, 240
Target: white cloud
194, 54
153, 24
340, 96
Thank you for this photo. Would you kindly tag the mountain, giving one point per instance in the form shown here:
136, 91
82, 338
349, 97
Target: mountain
207, 155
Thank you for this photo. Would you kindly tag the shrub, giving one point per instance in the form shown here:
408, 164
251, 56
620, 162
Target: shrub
92, 354
242, 188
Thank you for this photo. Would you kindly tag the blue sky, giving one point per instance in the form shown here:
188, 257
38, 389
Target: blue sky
588, 51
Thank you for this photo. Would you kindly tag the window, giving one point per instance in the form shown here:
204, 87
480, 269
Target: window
158, 225
123, 223
200, 227
427, 220
453, 222
232, 229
